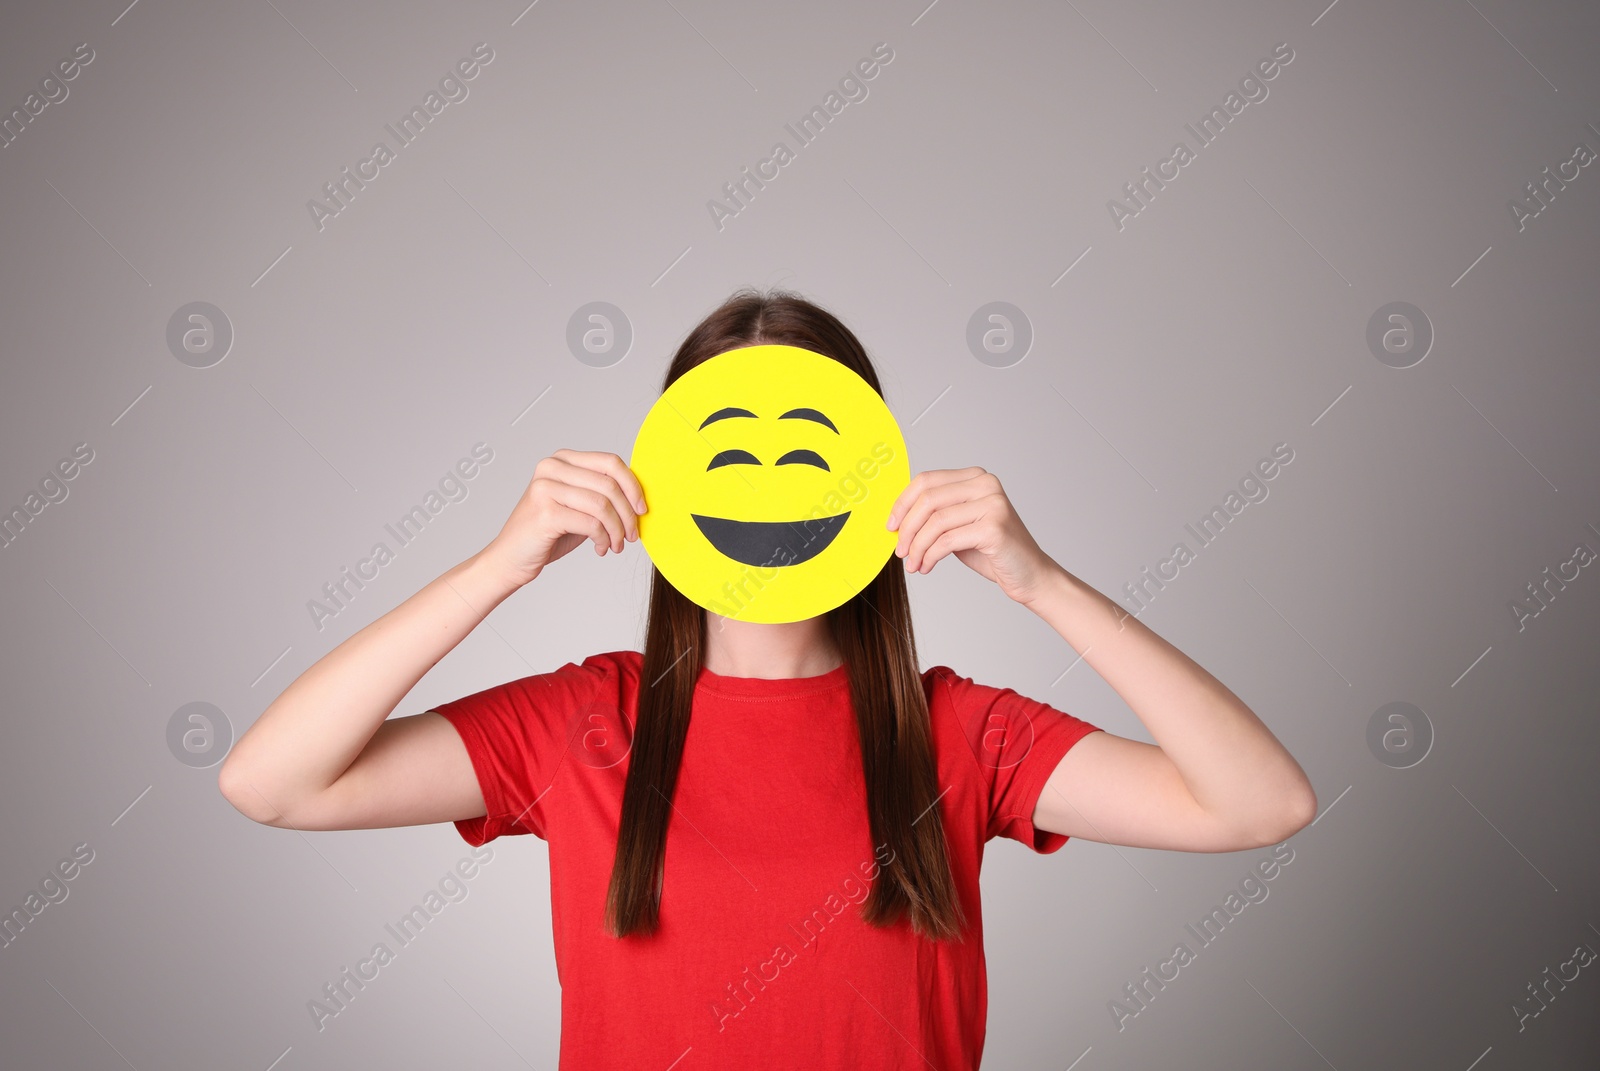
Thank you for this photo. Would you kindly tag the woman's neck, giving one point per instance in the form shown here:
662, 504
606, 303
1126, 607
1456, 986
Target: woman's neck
772, 652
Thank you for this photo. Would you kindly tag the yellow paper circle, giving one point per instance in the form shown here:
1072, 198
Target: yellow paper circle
768, 473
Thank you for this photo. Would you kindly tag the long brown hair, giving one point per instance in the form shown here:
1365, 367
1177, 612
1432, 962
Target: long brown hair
873, 634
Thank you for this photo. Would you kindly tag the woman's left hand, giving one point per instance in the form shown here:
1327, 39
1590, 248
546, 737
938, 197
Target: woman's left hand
965, 512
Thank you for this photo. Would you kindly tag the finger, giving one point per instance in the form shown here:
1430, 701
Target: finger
603, 483
935, 498
590, 470
920, 483
937, 524
595, 505
583, 524
613, 466
964, 537
628, 482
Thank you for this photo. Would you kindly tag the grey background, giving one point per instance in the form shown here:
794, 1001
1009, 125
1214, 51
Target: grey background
1229, 316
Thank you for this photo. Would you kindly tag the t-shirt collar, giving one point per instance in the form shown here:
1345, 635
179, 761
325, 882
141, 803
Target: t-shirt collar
773, 687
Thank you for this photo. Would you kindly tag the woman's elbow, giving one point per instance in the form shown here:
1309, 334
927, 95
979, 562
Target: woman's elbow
238, 788
1293, 813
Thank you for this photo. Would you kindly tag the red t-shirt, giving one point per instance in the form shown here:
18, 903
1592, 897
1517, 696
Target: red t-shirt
761, 958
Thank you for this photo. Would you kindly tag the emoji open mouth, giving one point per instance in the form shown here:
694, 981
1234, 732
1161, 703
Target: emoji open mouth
768, 543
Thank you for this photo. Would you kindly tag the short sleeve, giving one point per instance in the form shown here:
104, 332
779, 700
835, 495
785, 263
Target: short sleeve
518, 735
1017, 743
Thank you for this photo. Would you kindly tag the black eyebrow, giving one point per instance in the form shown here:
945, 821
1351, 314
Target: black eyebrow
723, 414
810, 414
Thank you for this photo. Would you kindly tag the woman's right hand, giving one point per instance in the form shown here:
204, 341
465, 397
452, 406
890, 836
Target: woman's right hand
574, 496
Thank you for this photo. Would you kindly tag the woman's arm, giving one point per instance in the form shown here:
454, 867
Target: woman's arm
323, 755
1215, 780
287, 770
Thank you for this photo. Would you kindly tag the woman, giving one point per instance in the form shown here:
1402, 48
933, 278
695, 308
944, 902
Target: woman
790, 877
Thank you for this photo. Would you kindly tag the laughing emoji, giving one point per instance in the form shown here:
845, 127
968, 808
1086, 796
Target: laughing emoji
769, 472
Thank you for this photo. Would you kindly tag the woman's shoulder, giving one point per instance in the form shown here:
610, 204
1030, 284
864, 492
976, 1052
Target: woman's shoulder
613, 673
602, 684
981, 712
955, 701
946, 686
621, 660
621, 666
974, 700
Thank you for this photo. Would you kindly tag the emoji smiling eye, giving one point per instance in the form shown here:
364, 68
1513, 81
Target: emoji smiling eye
735, 457
810, 414
804, 457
